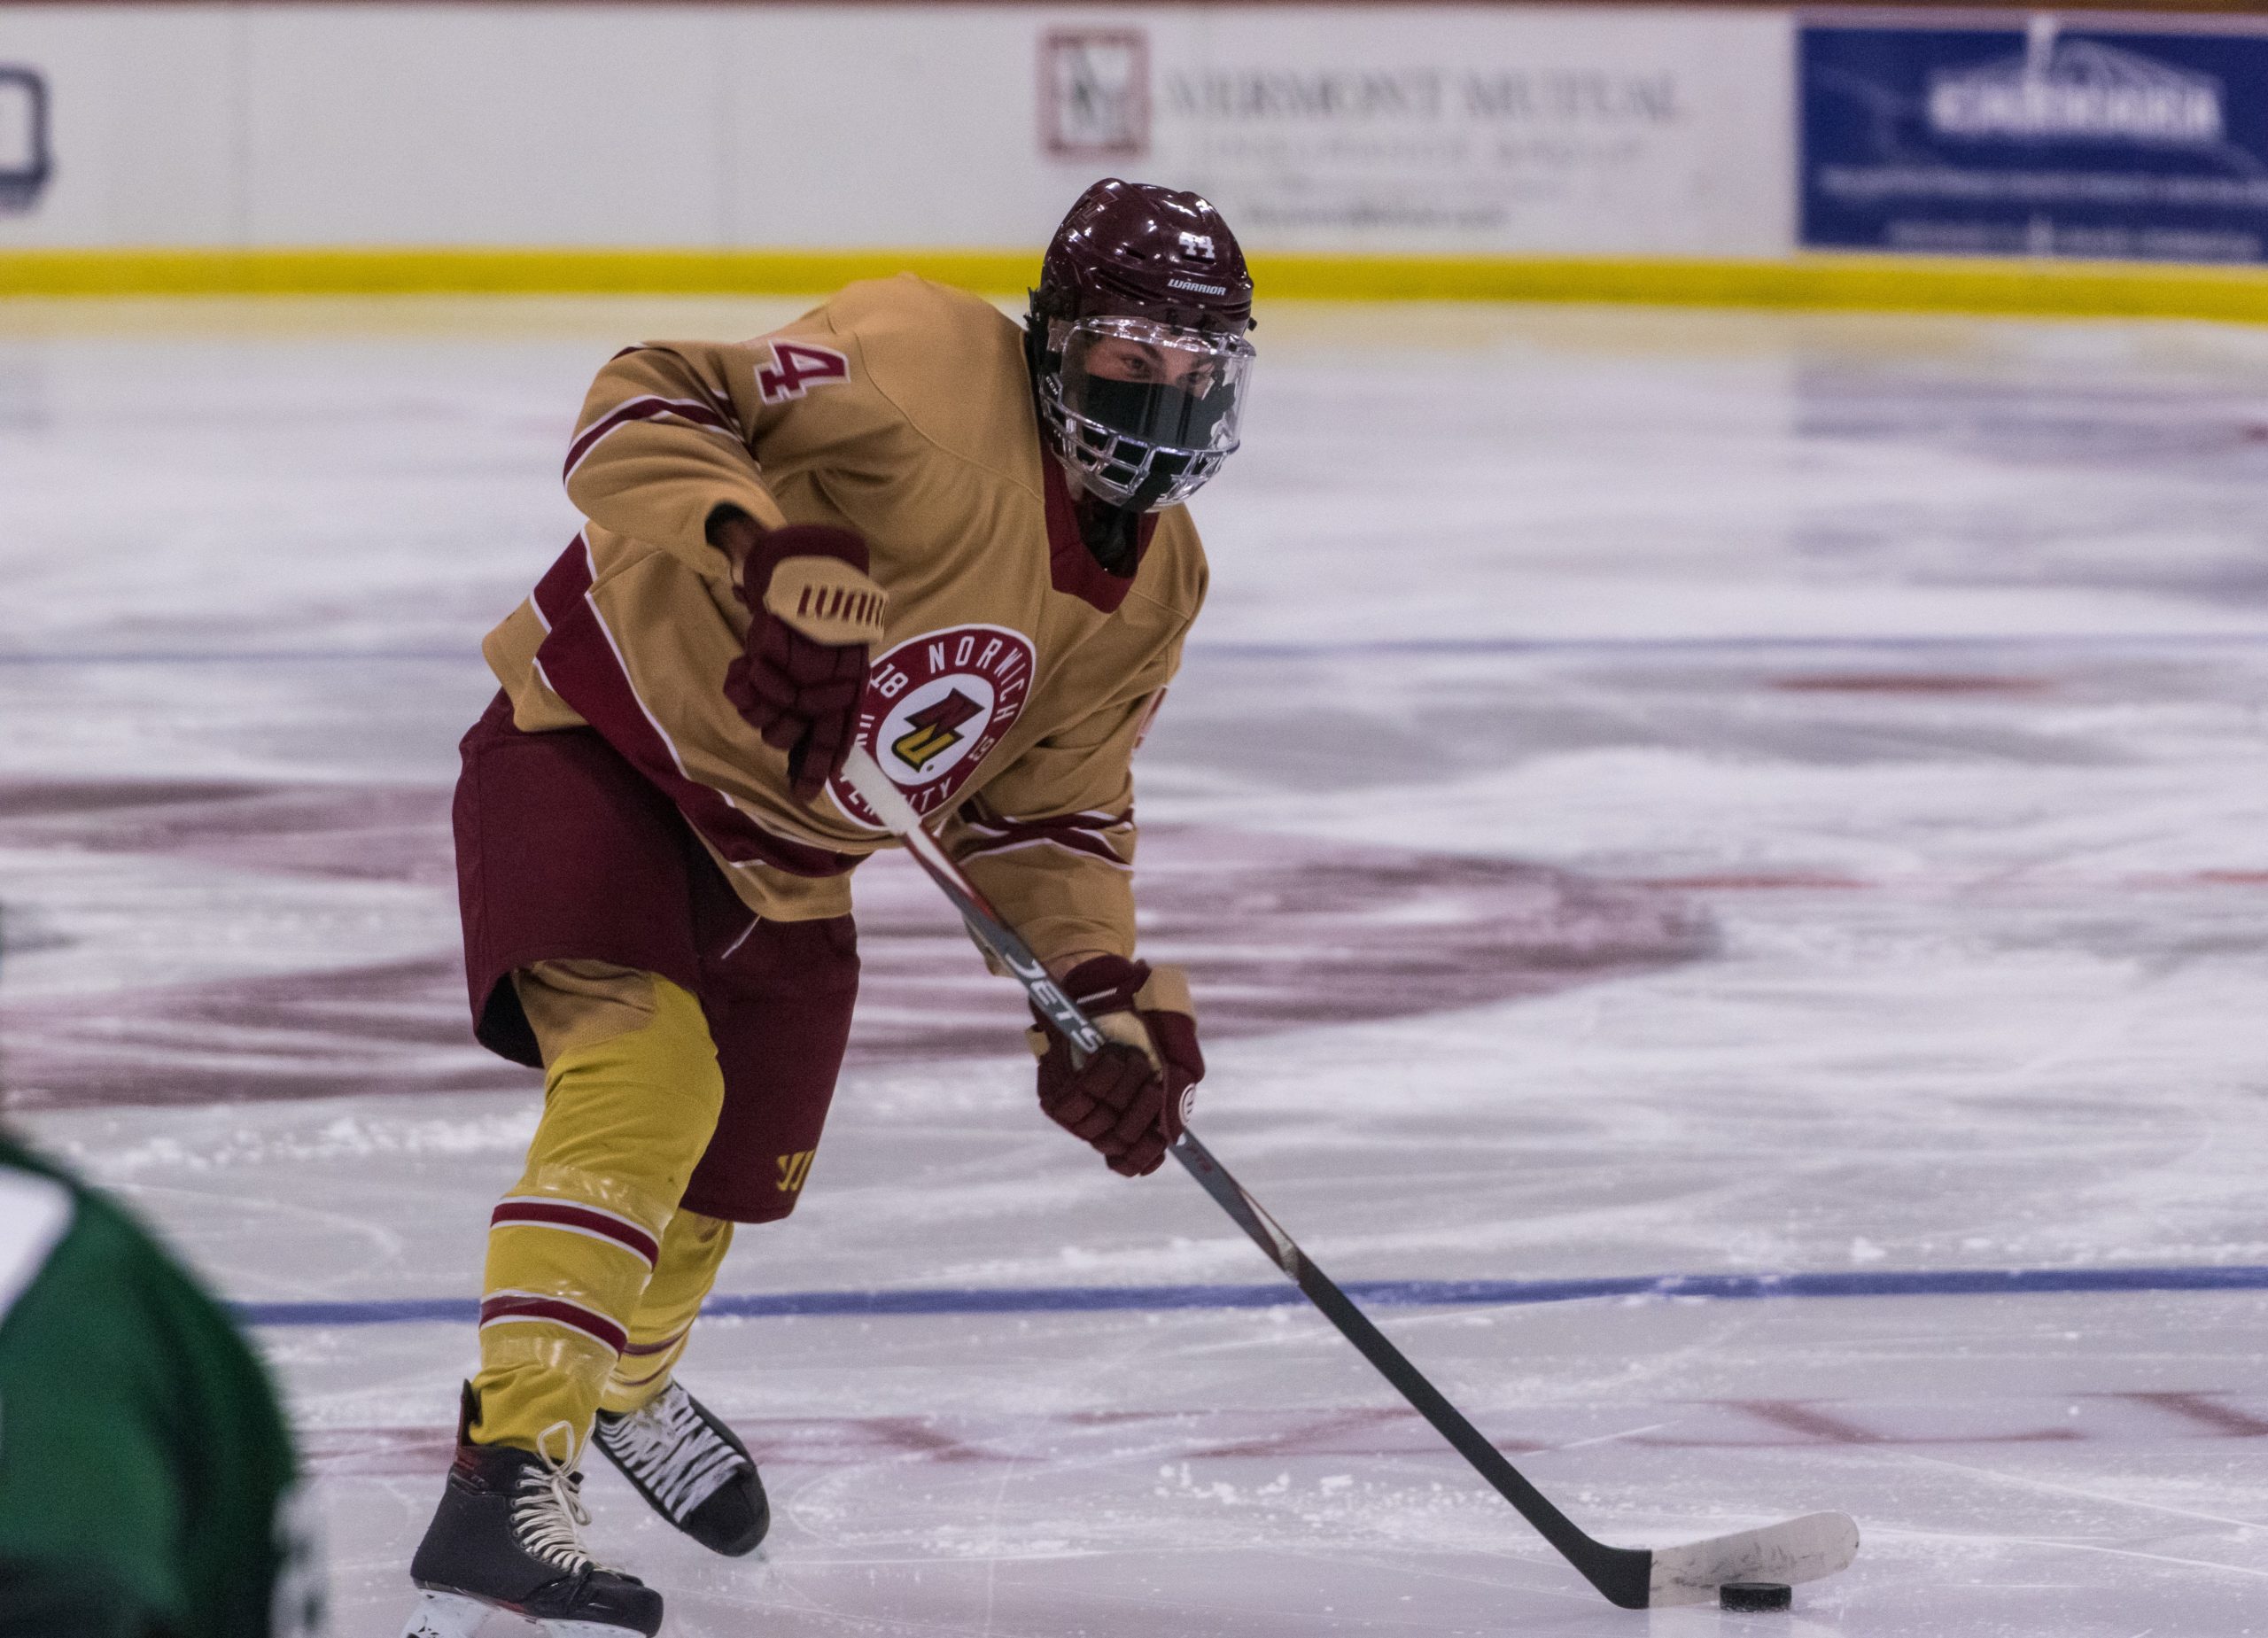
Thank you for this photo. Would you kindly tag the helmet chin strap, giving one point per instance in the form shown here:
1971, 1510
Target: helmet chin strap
1148, 493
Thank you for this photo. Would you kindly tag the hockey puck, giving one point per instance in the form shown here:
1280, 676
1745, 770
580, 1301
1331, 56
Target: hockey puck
1755, 1596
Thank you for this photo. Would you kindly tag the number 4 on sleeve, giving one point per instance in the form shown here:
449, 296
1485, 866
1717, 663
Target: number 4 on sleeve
796, 368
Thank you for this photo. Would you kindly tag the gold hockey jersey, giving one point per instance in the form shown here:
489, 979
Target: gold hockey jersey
1015, 676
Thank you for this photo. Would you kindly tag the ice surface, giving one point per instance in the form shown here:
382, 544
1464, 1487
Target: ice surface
1653, 793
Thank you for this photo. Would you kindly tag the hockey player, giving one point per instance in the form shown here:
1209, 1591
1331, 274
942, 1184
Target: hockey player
147, 1480
901, 523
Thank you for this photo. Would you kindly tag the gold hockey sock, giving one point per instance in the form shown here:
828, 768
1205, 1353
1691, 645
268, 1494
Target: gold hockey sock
630, 1095
693, 1249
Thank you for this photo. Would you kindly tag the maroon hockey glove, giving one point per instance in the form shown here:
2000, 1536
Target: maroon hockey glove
1132, 1099
813, 616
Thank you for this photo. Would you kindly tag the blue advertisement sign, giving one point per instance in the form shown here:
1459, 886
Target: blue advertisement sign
2045, 136
24, 161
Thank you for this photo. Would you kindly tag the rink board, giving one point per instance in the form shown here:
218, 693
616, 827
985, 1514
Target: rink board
1576, 153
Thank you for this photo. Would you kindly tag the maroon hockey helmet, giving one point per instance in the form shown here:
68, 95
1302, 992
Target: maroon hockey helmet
1136, 343
1135, 249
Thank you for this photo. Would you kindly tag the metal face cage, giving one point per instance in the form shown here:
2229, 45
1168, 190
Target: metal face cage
1143, 413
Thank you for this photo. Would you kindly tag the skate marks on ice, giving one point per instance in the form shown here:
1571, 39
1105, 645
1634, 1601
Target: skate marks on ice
1944, 1026
922, 1524
1075, 1474
1393, 1432
1316, 933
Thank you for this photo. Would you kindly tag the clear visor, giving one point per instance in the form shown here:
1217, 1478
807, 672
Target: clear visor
1170, 389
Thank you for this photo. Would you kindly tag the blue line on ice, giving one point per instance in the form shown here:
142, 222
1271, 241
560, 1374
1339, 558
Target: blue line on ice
1386, 1294
1236, 650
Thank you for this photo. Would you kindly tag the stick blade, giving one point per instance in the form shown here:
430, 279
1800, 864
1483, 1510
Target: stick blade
1797, 1549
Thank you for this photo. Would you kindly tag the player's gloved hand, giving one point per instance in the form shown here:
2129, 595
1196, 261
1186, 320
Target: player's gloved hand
813, 616
1132, 1099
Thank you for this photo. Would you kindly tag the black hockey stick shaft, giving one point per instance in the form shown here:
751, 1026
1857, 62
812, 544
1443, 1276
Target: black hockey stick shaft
1622, 1574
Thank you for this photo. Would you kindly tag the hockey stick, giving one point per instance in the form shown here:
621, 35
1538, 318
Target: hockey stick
1635, 1578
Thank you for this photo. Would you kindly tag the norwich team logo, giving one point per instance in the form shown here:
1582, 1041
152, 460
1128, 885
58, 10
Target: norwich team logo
935, 705
937, 730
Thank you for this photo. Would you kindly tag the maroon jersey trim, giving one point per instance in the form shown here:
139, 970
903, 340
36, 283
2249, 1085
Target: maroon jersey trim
507, 1307
648, 409
580, 660
1071, 568
1075, 832
647, 1350
586, 1220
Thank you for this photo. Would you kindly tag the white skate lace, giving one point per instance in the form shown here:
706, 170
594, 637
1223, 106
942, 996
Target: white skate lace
670, 1450
547, 1513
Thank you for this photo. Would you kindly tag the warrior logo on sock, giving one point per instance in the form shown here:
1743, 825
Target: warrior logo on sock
935, 704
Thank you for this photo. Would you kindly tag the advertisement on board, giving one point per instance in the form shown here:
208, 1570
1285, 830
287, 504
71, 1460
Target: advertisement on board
2046, 135
1569, 130
26, 161
1488, 131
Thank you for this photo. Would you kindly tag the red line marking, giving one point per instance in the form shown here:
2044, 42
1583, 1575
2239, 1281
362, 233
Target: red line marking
1325, 1433
2225, 1420
1800, 881
1753, 881
1908, 682
1813, 1426
1337, 1434
1798, 1417
913, 1436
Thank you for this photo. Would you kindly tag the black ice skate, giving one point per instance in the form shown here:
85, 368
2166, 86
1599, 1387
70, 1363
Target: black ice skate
691, 1469
507, 1537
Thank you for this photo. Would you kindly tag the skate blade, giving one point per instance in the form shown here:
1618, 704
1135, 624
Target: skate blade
452, 1615
446, 1614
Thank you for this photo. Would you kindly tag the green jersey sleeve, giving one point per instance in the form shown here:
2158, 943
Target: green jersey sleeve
141, 1442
